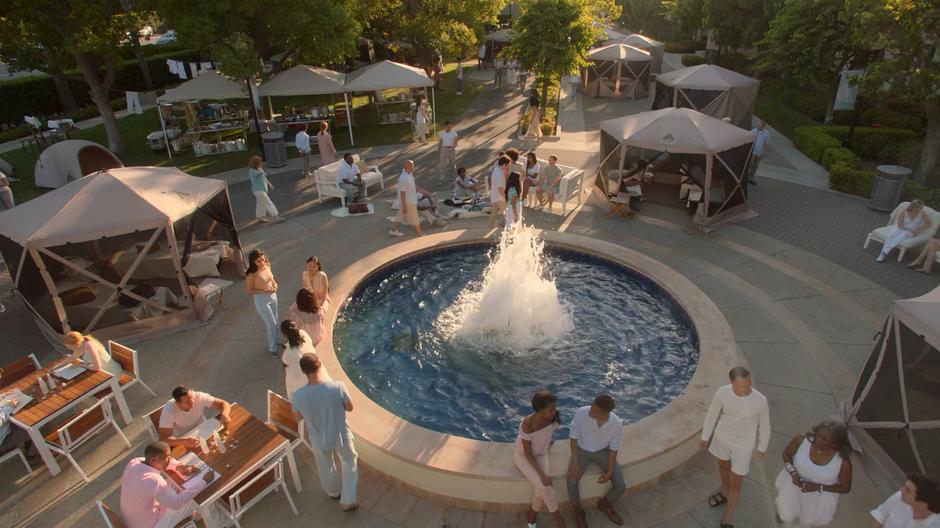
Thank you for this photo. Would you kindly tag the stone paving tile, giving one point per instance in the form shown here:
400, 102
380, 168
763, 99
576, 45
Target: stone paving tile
823, 270
395, 505
461, 518
425, 514
786, 364
793, 411
828, 321
503, 520
775, 283
878, 300
683, 520
755, 509
751, 324
853, 356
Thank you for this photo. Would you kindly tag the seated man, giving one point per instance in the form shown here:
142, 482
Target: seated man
595, 438
551, 179
349, 179
466, 189
186, 411
427, 208
149, 501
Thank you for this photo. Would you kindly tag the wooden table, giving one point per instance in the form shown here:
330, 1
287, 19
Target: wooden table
249, 445
66, 395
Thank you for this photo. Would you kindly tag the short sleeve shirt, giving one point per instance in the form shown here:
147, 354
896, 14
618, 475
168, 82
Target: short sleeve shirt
346, 172
323, 407
406, 184
184, 421
551, 172
893, 513
497, 180
448, 139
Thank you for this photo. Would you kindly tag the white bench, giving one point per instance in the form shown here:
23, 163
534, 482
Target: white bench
570, 185
326, 180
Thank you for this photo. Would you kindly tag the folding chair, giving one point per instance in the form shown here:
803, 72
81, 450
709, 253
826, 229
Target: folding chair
281, 418
80, 429
254, 488
18, 370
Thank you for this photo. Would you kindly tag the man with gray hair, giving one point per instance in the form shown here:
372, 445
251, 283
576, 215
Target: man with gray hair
744, 418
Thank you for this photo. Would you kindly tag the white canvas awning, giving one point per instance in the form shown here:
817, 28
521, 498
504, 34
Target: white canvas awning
211, 85
678, 130
706, 77
922, 314
622, 52
304, 80
655, 48
386, 74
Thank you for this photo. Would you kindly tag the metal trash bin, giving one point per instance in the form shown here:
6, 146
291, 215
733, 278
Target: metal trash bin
889, 182
275, 152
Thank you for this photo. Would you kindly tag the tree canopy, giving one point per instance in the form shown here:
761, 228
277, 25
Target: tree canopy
738, 23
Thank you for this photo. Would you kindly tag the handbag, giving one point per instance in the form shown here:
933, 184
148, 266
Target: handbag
357, 207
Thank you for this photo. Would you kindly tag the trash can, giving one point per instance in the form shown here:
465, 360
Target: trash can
889, 182
275, 152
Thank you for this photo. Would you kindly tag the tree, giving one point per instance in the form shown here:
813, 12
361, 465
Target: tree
815, 40
738, 23
642, 16
85, 31
573, 29
910, 67
686, 17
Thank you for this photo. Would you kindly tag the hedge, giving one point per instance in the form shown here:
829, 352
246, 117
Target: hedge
831, 156
843, 177
868, 142
930, 196
813, 142
685, 46
693, 60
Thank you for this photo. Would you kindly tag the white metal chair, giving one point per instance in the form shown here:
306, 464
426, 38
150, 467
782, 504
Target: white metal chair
153, 423
16, 452
254, 488
130, 363
881, 234
81, 428
281, 417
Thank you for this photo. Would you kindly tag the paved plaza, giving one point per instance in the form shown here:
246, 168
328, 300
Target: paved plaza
800, 294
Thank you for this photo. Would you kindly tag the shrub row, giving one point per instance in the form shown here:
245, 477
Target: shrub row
929, 195
685, 46
693, 60
814, 142
868, 142
852, 180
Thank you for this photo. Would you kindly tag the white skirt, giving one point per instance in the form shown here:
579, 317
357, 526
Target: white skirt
809, 509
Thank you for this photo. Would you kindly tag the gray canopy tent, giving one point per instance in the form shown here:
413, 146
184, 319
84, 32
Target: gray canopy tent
710, 89
307, 80
655, 48
617, 70
387, 75
721, 151
894, 416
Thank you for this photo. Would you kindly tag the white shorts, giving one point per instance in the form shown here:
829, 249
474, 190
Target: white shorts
740, 457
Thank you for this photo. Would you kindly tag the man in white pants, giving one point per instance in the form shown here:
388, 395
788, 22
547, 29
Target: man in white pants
407, 201
745, 417
447, 148
323, 404
302, 142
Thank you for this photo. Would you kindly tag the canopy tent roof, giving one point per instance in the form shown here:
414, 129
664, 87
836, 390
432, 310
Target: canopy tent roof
922, 314
386, 74
107, 204
618, 51
641, 41
678, 130
502, 35
304, 80
211, 85
706, 77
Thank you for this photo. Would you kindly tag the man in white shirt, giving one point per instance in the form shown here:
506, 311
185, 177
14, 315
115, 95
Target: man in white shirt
302, 142
916, 505
745, 417
481, 56
595, 434
407, 200
447, 150
498, 189
349, 179
187, 410
757, 151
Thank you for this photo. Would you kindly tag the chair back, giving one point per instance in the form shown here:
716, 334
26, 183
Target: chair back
85, 425
153, 422
127, 357
255, 487
18, 370
281, 415
111, 518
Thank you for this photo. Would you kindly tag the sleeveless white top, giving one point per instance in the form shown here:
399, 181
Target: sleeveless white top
911, 224
827, 475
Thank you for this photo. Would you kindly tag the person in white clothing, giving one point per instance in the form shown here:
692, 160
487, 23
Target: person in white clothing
421, 120
408, 201
447, 150
185, 411
481, 56
302, 142
298, 344
498, 189
910, 223
915, 505
816, 470
595, 434
530, 453
745, 417
349, 179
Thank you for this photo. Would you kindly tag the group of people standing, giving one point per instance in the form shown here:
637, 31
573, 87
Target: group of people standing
513, 177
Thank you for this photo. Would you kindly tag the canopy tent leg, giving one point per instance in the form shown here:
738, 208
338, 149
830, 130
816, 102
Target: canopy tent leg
270, 108
175, 251
50, 285
169, 152
433, 111
349, 120
701, 215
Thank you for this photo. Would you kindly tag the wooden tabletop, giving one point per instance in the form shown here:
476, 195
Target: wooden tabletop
64, 394
248, 441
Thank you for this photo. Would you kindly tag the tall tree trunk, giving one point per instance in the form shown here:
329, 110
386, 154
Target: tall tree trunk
99, 94
833, 91
66, 98
135, 42
929, 156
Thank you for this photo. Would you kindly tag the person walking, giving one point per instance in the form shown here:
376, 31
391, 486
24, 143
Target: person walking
745, 417
757, 152
816, 470
421, 120
459, 76
260, 185
262, 288
915, 505
497, 73
498, 177
325, 145
407, 201
595, 434
298, 344
534, 130
302, 142
530, 453
447, 152
481, 56
323, 404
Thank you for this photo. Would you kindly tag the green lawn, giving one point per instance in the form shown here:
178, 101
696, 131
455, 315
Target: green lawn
137, 152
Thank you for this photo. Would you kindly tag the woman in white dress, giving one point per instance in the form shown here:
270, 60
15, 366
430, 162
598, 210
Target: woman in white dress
421, 120
298, 344
534, 130
910, 223
314, 279
90, 353
816, 471
530, 454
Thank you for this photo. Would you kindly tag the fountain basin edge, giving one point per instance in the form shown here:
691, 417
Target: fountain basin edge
481, 475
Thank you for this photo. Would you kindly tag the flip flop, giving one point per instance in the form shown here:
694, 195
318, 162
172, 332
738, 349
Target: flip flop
717, 499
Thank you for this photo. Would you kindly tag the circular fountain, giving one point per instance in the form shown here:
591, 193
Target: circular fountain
443, 339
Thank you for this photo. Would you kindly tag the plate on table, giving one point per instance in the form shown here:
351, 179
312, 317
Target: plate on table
68, 372
16, 394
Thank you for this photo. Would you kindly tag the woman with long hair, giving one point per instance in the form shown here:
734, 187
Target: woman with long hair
421, 120
530, 454
308, 313
90, 353
325, 144
298, 344
534, 130
260, 186
314, 279
816, 470
513, 190
262, 288
910, 223
533, 177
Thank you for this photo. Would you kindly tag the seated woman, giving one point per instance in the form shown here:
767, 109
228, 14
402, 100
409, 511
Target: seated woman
911, 222
465, 189
927, 256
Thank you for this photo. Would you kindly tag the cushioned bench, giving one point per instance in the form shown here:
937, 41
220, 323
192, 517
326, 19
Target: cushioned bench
326, 180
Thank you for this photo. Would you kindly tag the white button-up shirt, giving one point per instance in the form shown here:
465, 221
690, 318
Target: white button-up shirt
346, 172
146, 495
302, 142
894, 513
592, 438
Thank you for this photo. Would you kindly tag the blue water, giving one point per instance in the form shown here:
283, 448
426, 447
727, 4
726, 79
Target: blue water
630, 340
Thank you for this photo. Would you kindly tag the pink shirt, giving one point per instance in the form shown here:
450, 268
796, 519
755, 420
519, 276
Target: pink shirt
146, 495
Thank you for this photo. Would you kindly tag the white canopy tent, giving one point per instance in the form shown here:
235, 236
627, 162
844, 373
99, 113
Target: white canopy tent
894, 416
723, 148
710, 89
655, 48
72, 238
307, 80
618, 70
70, 160
388, 75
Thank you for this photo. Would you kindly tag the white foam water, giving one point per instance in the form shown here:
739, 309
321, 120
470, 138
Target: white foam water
517, 303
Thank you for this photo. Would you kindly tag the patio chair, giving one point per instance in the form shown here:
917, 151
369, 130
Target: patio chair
254, 488
130, 364
113, 520
881, 234
281, 418
16, 452
19, 369
82, 428
153, 423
